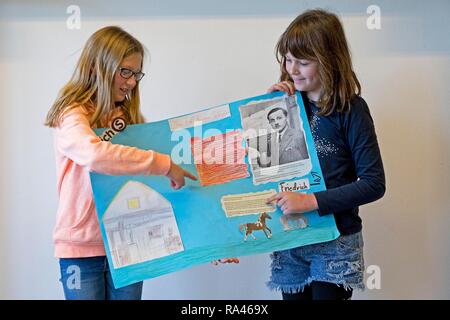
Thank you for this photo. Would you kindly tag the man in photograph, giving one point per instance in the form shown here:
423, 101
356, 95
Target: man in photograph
290, 142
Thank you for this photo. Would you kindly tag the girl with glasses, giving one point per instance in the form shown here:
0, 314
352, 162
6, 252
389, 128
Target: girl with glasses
104, 87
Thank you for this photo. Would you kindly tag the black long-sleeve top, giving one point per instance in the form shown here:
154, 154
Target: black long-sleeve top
351, 163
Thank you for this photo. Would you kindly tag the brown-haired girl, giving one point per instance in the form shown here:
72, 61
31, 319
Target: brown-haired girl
315, 59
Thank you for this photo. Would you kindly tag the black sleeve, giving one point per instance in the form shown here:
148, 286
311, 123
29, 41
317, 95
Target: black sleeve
370, 184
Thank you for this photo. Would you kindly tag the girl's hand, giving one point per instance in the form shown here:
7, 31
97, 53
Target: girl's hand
294, 202
285, 86
177, 174
225, 260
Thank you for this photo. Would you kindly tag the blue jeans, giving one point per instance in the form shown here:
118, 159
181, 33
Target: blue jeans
90, 279
339, 261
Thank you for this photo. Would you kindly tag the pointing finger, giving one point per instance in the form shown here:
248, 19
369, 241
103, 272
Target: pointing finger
190, 175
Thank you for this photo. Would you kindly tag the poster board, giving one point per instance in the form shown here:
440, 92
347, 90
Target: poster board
242, 152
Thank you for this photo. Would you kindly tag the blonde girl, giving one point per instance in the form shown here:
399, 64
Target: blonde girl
104, 87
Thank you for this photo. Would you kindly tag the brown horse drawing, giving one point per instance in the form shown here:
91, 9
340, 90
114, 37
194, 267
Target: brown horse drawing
258, 225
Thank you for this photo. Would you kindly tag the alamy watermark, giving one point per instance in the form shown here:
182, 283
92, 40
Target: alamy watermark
373, 281
73, 22
74, 280
374, 20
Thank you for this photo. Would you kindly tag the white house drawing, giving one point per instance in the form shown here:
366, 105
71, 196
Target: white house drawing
140, 225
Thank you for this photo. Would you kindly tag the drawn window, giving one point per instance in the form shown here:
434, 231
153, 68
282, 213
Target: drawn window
133, 203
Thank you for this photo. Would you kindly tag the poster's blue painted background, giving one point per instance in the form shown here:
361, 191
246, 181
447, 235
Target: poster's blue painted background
207, 234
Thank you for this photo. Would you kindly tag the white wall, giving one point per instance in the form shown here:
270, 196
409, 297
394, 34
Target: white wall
205, 53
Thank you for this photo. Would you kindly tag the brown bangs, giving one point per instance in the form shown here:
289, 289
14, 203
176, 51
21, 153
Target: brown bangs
295, 42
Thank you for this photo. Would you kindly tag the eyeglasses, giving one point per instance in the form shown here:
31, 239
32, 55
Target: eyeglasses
127, 73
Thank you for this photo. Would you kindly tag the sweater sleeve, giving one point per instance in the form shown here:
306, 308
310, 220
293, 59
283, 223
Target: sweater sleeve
370, 184
76, 140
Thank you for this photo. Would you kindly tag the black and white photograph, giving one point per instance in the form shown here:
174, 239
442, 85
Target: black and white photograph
275, 138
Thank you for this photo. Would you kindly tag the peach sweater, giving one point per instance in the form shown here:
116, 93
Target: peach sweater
78, 151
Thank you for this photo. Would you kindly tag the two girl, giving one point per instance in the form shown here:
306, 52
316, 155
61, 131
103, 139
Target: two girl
315, 60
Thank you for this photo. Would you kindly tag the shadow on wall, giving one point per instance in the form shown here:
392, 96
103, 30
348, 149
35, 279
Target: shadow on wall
425, 27
408, 231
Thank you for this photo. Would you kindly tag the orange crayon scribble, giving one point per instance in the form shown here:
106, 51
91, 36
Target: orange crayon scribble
220, 158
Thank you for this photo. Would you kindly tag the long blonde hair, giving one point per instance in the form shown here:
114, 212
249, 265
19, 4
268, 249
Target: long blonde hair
93, 78
318, 35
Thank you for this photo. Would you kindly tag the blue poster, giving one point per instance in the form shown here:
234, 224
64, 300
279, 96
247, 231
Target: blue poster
242, 152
